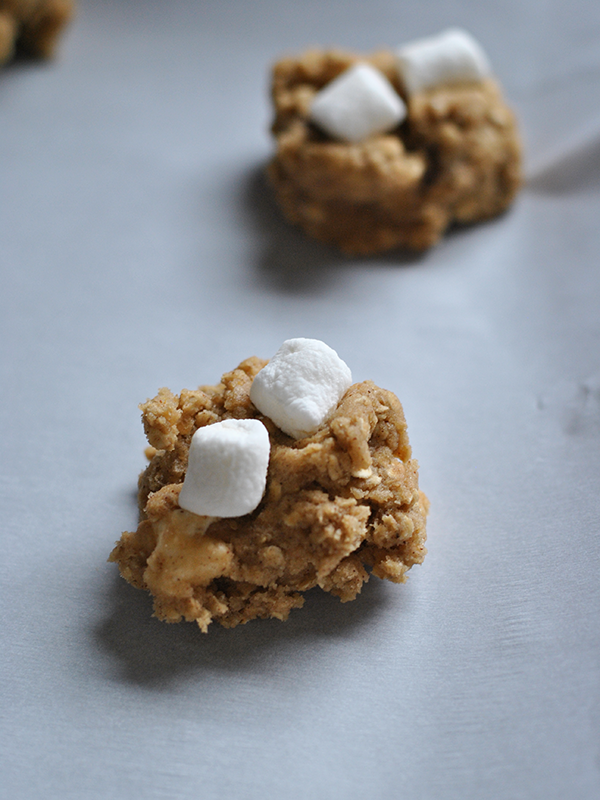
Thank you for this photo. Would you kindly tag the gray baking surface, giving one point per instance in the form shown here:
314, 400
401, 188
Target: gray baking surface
140, 248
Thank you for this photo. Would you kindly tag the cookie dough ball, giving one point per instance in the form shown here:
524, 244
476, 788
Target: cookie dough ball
456, 158
32, 26
338, 504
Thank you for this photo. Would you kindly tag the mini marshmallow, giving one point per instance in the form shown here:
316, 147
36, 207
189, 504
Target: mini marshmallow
448, 58
227, 468
357, 104
300, 386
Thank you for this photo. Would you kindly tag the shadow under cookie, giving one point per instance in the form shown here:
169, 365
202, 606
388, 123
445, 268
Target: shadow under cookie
149, 653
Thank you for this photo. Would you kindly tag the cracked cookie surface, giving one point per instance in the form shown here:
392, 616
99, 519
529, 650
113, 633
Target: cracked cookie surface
338, 503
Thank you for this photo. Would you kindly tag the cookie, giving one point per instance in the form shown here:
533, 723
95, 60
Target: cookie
32, 27
454, 159
339, 504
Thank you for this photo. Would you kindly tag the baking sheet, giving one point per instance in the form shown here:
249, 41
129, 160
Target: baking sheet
140, 248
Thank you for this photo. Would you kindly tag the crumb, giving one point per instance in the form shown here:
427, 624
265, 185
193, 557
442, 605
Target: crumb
337, 504
455, 159
32, 26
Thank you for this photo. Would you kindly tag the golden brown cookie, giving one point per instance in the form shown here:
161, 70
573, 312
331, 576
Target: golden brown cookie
337, 504
455, 159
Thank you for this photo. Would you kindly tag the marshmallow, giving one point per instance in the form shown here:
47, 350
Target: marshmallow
357, 104
451, 57
227, 468
300, 386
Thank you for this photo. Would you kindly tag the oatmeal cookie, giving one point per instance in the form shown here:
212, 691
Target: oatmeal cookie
338, 503
456, 158
32, 26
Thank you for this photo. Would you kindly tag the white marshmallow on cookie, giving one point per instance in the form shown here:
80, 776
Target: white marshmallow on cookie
357, 104
449, 58
227, 468
300, 386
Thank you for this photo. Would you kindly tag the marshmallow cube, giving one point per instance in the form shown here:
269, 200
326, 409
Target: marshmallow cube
357, 104
300, 386
227, 468
449, 58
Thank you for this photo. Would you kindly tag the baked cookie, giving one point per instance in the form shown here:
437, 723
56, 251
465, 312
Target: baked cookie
454, 158
32, 26
337, 503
